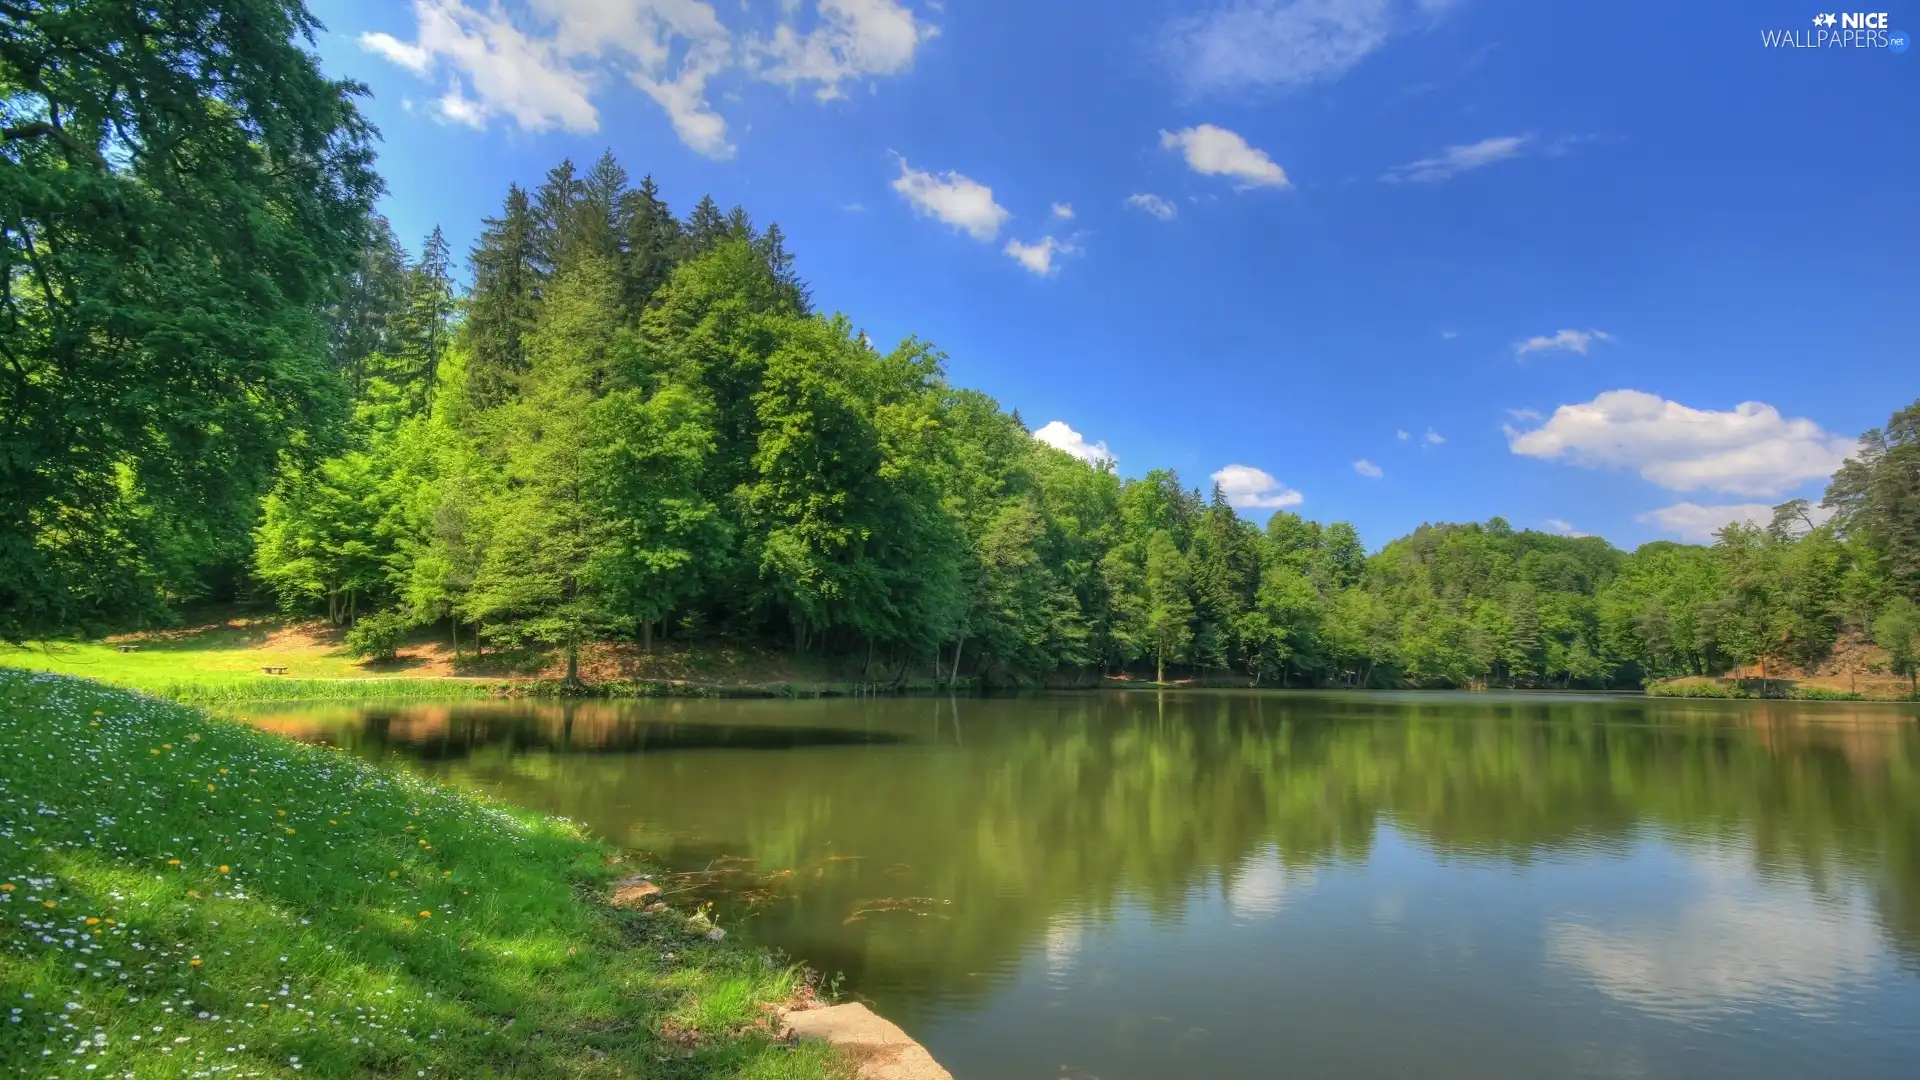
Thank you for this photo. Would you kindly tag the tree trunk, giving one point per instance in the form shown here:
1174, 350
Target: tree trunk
573, 662
1160, 667
646, 635
954, 678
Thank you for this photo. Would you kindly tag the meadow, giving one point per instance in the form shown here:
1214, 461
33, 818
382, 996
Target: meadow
181, 895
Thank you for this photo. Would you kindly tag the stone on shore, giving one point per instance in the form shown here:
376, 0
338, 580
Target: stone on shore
879, 1050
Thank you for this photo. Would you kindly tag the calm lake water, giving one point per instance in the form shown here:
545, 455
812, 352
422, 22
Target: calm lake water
1141, 885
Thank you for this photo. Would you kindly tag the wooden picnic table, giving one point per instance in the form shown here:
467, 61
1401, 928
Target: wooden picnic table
274, 669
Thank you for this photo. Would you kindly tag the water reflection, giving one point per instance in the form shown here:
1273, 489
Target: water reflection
1434, 863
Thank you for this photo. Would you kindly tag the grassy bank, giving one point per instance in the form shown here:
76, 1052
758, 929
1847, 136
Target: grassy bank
220, 663
181, 895
1830, 689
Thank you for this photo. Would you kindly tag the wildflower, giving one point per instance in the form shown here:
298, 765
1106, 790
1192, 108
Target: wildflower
426, 914
223, 772
8, 887
209, 787
173, 862
393, 873
289, 832
224, 868
49, 903
166, 746
195, 962
91, 921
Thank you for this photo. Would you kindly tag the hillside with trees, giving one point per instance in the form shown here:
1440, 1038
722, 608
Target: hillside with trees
635, 424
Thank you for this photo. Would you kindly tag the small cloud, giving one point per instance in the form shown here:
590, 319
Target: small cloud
1555, 525
1249, 488
960, 201
1057, 434
1574, 341
412, 57
1403, 435
1367, 469
1155, 205
1455, 160
1449, 335
1063, 211
1215, 151
855, 208
1241, 44
1434, 438
1525, 415
1039, 257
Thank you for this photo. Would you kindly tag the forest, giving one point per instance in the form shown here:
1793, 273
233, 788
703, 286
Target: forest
227, 381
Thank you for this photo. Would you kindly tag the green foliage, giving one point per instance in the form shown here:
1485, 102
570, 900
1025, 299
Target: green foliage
1897, 630
180, 190
379, 636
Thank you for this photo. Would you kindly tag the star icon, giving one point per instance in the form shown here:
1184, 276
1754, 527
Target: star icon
1830, 19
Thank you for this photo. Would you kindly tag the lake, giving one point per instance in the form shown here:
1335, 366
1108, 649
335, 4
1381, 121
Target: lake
1123, 885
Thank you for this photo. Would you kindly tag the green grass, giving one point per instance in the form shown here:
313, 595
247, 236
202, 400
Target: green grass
182, 895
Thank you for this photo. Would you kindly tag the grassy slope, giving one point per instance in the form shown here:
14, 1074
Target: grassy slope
221, 661
181, 895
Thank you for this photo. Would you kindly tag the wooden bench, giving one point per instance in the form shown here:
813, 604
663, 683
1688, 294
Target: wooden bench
274, 669
129, 648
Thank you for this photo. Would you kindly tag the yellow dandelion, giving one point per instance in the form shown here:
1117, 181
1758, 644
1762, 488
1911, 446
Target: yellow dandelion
166, 746
224, 868
49, 903
97, 712
330, 821
209, 787
8, 887
91, 921
110, 922
422, 843
155, 753
426, 914
282, 813
223, 772
289, 832
173, 862
446, 873
195, 962
393, 873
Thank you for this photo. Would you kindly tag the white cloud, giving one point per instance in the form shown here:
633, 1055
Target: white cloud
412, 57
1215, 151
1285, 43
1752, 450
1403, 435
1555, 525
1039, 257
1434, 438
1449, 335
540, 63
1061, 437
1574, 341
1525, 414
1249, 488
1455, 160
1155, 205
960, 201
1695, 523
853, 39
1367, 469
1063, 211
1743, 944
1260, 885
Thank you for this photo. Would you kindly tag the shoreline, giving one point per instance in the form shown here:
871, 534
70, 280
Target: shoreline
413, 926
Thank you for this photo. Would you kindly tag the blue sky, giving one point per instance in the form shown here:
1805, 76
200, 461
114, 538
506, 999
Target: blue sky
1614, 267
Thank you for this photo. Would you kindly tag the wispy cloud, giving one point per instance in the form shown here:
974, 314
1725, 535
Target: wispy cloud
1555, 525
1155, 205
1573, 341
1367, 469
1455, 160
1285, 43
1063, 211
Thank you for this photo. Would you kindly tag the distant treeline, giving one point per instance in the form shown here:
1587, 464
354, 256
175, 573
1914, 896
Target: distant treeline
223, 376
